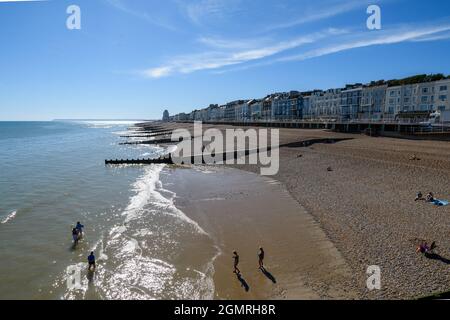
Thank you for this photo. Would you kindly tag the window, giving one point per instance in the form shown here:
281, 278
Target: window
406, 100
441, 108
443, 97
424, 99
425, 90
443, 88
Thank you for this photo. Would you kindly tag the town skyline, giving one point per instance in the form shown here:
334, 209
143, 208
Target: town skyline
413, 99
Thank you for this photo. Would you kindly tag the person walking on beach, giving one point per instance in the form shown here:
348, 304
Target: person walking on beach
91, 261
236, 262
261, 258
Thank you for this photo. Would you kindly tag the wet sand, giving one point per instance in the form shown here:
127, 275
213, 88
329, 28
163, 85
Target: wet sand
243, 211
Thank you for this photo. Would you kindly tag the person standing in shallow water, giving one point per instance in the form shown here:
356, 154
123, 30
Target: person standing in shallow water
236, 263
75, 236
91, 261
79, 228
261, 258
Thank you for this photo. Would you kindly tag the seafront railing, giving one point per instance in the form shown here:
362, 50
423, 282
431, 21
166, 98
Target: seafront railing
326, 121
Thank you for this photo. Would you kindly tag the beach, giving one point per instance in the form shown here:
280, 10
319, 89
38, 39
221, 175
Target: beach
243, 211
360, 193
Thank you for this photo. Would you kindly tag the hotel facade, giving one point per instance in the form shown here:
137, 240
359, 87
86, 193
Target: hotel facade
378, 101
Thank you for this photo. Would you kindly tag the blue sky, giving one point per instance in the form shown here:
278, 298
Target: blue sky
135, 58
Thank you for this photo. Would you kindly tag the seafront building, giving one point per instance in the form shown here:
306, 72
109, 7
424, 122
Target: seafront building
255, 109
350, 102
286, 106
372, 103
324, 105
410, 100
441, 98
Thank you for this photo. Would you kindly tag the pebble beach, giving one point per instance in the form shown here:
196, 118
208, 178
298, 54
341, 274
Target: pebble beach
360, 191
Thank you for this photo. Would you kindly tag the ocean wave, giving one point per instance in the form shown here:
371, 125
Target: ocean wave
146, 188
9, 217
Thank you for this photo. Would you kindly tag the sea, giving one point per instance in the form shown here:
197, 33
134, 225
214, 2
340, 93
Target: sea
52, 175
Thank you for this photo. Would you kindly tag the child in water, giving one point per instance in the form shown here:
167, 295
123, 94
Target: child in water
91, 261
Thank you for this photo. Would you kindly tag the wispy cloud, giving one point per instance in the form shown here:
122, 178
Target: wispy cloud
349, 41
22, 0
197, 10
434, 37
321, 12
227, 44
151, 18
381, 38
217, 59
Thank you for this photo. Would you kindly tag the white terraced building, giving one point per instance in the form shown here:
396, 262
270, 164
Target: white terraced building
350, 102
419, 98
325, 105
372, 103
441, 98
377, 101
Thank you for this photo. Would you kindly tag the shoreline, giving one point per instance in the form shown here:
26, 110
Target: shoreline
258, 211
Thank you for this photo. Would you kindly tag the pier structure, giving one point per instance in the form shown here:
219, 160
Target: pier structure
372, 128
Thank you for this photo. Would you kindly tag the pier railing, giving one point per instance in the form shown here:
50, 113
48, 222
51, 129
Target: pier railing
325, 121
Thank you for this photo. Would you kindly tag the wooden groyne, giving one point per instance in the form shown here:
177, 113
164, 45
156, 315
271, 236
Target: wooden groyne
161, 160
147, 135
213, 158
150, 128
152, 131
156, 141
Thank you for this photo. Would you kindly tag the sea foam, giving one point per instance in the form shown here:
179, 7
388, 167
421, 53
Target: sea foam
9, 217
147, 189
